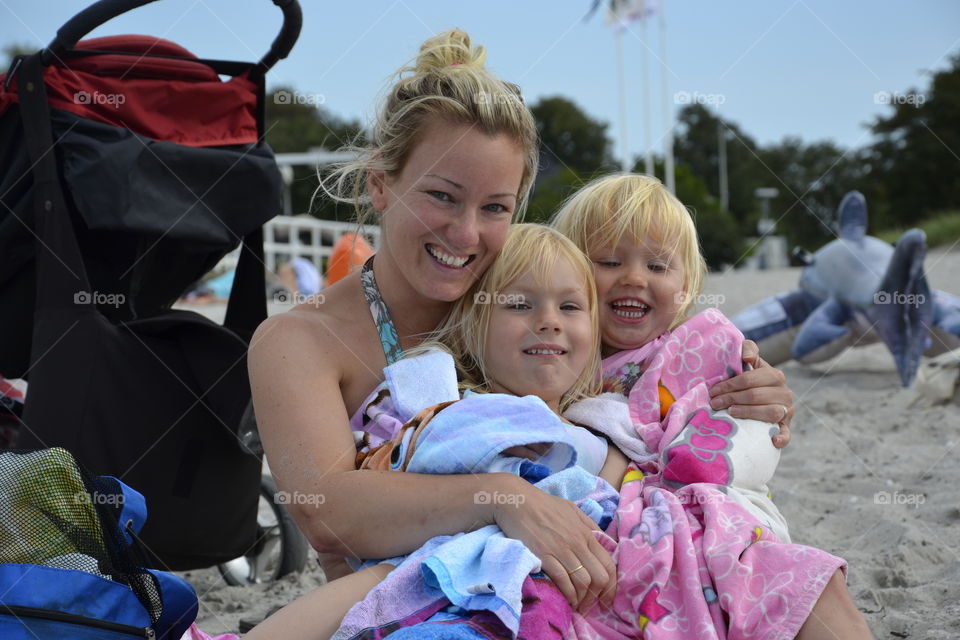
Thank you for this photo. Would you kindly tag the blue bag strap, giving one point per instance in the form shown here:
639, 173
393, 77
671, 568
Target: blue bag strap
130, 503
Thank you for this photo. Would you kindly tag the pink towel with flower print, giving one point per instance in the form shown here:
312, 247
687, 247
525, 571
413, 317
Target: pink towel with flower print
696, 557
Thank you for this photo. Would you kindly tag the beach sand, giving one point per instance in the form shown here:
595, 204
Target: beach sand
870, 475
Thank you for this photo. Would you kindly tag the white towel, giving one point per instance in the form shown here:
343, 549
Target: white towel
420, 382
609, 414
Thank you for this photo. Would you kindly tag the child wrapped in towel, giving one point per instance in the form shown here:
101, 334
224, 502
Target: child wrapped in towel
481, 571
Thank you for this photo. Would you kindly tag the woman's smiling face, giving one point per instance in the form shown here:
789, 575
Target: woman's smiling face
447, 211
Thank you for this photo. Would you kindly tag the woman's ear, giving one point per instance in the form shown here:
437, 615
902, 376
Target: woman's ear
377, 188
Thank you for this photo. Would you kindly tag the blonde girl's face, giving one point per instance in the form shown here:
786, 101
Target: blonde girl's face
447, 212
639, 290
540, 337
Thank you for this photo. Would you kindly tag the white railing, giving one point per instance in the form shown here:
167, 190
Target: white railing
289, 237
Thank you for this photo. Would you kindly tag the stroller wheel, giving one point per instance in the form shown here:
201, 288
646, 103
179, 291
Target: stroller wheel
281, 548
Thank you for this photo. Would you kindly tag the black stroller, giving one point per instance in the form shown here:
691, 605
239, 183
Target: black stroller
128, 169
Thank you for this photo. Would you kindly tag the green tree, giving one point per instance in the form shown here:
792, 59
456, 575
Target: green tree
915, 161
573, 149
697, 145
721, 237
293, 125
812, 179
570, 137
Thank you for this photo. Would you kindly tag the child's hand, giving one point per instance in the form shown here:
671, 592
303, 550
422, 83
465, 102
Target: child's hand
760, 394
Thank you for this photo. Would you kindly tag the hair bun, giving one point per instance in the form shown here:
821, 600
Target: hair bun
447, 50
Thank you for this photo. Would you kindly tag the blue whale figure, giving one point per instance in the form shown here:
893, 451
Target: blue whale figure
856, 290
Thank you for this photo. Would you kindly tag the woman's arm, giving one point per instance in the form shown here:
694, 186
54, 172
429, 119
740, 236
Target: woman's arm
295, 373
759, 394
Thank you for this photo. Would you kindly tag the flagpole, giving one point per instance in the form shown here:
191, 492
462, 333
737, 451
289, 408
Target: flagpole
621, 81
669, 178
648, 153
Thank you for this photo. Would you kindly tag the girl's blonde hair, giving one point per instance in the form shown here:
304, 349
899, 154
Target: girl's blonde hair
529, 247
448, 82
640, 208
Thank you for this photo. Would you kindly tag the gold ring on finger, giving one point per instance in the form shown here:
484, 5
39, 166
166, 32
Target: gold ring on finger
570, 573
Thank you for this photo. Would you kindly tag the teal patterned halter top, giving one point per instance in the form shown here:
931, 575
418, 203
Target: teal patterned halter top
389, 338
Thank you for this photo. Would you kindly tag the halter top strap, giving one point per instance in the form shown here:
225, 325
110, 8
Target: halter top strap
389, 338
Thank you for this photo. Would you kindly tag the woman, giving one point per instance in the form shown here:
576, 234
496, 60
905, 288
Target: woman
453, 157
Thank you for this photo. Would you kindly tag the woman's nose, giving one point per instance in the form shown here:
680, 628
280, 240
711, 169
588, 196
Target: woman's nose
464, 232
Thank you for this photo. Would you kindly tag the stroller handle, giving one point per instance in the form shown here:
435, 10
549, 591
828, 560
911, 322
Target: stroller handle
105, 10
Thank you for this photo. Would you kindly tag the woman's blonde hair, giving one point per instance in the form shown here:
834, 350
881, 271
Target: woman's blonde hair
530, 248
448, 82
638, 207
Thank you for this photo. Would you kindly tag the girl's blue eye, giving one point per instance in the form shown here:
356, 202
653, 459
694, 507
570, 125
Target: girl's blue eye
570, 307
657, 267
607, 263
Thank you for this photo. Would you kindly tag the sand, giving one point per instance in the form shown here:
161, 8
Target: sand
871, 475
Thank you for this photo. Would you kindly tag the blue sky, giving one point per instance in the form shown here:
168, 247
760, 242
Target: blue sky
807, 68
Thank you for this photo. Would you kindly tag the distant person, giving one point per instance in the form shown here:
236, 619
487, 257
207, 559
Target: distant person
301, 278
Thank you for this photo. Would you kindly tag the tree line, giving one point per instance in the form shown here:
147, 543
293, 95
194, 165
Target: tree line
909, 173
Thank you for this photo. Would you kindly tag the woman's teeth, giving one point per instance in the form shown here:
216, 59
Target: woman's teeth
545, 352
445, 258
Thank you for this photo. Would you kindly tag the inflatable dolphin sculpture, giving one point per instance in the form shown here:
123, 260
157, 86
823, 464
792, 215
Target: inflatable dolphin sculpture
855, 290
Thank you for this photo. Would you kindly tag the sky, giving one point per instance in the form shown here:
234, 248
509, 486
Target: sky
815, 69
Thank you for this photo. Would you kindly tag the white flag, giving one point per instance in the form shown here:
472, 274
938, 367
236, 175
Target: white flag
620, 13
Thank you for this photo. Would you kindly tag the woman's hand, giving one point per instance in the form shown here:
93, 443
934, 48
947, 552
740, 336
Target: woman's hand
759, 394
560, 534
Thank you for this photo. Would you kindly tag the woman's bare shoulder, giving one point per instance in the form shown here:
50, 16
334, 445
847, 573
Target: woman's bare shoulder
323, 325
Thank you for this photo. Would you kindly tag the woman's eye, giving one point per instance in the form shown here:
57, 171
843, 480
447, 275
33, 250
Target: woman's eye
495, 208
518, 306
440, 195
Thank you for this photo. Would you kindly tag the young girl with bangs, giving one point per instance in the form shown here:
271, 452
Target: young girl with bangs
702, 491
